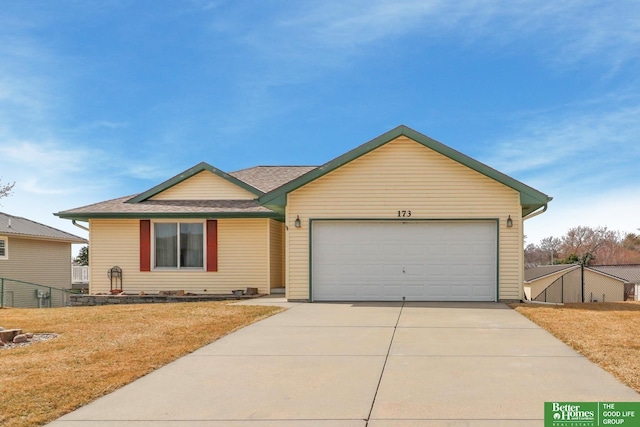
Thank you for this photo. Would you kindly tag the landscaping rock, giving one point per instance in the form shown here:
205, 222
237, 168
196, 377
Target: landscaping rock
36, 338
1, 328
20, 338
7, 335
29, 335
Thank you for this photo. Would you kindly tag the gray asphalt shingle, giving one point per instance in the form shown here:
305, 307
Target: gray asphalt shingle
18, 226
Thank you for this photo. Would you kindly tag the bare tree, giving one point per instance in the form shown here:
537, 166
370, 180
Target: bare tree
551, 246
5, 189
632, 242
580, 241
534, 256
585, 245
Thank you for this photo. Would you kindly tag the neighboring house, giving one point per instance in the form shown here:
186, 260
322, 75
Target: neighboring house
629, 274
34, 252
401, 217
570, 283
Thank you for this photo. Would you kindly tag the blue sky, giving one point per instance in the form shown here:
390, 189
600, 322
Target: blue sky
101, 99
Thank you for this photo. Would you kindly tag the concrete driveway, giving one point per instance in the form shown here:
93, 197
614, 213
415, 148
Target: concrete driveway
364, 364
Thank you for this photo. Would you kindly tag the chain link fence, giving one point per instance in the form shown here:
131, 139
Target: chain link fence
590, 284
20, 294
567, 288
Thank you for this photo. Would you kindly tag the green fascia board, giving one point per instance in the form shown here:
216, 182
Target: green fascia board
203, 166
278, 204
204, 215
533, 198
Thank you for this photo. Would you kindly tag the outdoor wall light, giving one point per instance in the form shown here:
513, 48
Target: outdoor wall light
297, 222
509, 222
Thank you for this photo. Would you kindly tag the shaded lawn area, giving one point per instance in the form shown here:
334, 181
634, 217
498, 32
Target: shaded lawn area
603, 332
100, 349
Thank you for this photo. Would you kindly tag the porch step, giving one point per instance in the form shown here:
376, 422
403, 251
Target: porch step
277, 291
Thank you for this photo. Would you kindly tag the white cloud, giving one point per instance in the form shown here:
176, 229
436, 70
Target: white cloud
566, 32
579, 148
45, 156
586, 158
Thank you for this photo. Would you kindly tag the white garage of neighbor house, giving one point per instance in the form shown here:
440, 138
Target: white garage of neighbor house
401, 217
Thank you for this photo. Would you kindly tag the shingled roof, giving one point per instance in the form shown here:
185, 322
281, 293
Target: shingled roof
119, 208
258, 178
540, 271
629, 273
271, 184
267, 178
11, 225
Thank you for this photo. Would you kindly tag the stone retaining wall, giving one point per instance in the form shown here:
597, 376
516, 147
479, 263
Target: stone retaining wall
78, 300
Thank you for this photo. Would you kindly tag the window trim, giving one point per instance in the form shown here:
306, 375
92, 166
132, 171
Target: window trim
178, 222
5, 239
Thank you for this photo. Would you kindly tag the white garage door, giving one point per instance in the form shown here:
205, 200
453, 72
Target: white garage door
412, 261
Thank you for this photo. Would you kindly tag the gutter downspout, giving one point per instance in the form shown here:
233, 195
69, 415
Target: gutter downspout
531, 215
73, 221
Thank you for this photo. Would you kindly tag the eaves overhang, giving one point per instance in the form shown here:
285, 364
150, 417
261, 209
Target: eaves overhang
77, 240
86, 216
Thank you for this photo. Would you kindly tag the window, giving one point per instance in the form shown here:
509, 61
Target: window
168, 247
178, 245
4, 248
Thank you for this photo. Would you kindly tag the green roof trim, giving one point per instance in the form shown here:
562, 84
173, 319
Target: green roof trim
530, 198
85, 216
200, 167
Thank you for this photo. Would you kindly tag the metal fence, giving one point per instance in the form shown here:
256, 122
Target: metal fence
17, 293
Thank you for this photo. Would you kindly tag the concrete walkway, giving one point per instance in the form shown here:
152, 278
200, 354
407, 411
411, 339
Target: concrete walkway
364, 364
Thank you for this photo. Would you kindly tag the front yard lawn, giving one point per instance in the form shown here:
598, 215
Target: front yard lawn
100, 349
602, 332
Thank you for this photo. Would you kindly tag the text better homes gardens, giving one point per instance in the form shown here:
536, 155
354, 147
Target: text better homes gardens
591, 414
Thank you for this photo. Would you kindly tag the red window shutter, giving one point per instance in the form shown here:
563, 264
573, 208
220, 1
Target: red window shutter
212, 245
145, 245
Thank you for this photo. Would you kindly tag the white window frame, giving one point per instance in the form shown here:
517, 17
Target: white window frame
178, 222
5, 256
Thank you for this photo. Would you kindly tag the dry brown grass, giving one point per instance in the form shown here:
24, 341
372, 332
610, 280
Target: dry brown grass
101, 349
605, 333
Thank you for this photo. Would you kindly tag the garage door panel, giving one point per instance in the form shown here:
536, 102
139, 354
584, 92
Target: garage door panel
389, 261
371, 270
460, 249
438, 292
411, 271
391, 292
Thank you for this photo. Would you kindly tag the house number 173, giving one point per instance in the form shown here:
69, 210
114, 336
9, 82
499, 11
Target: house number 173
404, 214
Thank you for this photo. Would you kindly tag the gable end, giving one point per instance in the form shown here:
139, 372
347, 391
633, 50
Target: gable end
188, 174
530, 199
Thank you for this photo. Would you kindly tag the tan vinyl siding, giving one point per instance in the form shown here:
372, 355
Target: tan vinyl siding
405, 175
242, 259
38, 261
276, 258
598, 287
205, 186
